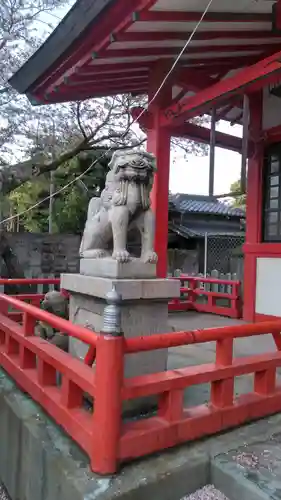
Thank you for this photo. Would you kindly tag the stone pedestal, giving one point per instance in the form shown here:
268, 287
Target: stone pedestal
144, 311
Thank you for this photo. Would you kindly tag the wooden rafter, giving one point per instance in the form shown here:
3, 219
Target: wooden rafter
118, 17
210, 17
146, 36
173, 51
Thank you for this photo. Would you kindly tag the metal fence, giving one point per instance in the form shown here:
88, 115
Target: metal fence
220, 252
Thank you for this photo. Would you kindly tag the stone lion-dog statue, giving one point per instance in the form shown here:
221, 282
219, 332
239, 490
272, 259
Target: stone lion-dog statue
56, 303
124, 204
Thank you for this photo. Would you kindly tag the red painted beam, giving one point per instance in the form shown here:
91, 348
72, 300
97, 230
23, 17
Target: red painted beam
277, 15
145, 121
133, 76
192, 80
215, 64
100, 84
211, 65
92, 69
87, 88
146, 36
249, 79
186, 78
202, 134
212, 17
189, 131
174, 51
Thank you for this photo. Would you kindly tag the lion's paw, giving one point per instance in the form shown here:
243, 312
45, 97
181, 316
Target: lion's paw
121, 256
149, 257
94, 254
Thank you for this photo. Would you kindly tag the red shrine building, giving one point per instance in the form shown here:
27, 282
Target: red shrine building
231, 70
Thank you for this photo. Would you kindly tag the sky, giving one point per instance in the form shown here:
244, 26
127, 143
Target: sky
192, 175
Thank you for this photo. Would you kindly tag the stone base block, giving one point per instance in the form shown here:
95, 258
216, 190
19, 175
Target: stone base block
161, 290
144, 311
110, 268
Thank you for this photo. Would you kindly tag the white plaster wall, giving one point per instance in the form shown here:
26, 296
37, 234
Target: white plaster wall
268, 286
271, 110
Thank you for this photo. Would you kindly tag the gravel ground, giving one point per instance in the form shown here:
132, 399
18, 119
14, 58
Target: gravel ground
209, 492
3, 494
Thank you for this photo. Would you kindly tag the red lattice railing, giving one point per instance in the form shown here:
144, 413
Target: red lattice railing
34, 364
191, 291
106, 438
31, 298
198, 288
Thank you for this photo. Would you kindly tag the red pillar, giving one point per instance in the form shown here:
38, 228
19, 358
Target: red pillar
158, 143
254, 204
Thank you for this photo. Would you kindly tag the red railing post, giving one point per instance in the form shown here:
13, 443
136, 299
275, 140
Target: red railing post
222, 390
4, 307
27, 357
192, 284
29, 323
108, 389
107, 404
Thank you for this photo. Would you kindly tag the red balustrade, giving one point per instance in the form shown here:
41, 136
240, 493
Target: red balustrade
189, 300
191, 295
29, 281
34, 364
31, 298
105, 437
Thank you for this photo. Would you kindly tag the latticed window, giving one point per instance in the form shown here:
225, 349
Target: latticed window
272, 195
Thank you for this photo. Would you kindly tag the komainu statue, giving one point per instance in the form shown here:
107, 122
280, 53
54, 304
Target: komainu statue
55, 303
124, 204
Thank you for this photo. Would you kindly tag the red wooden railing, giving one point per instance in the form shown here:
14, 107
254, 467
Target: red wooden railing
105, 437
34, 363
188, 301
31, 298
190, 295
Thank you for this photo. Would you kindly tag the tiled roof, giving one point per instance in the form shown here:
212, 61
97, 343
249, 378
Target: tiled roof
204, 205
201, 232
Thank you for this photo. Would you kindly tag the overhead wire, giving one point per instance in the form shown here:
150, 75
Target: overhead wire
111, 148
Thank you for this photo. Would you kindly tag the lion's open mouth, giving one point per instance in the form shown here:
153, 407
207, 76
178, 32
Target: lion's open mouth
143, 190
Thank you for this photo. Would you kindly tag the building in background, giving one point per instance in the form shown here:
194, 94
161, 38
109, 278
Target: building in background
204, 234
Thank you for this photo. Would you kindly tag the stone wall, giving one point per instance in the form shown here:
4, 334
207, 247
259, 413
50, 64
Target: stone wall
44, 255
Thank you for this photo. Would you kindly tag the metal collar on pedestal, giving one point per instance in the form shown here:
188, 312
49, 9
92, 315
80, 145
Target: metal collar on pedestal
112, 314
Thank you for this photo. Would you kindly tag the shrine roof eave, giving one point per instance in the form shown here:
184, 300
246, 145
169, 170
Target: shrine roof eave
74, 26
109, 47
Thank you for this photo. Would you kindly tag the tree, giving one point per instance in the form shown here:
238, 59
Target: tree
23, 26
240, 200
69, 207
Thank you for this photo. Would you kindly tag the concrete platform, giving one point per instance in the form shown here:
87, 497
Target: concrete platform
39, 462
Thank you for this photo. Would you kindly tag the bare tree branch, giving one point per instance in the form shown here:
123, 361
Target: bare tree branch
78, 116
